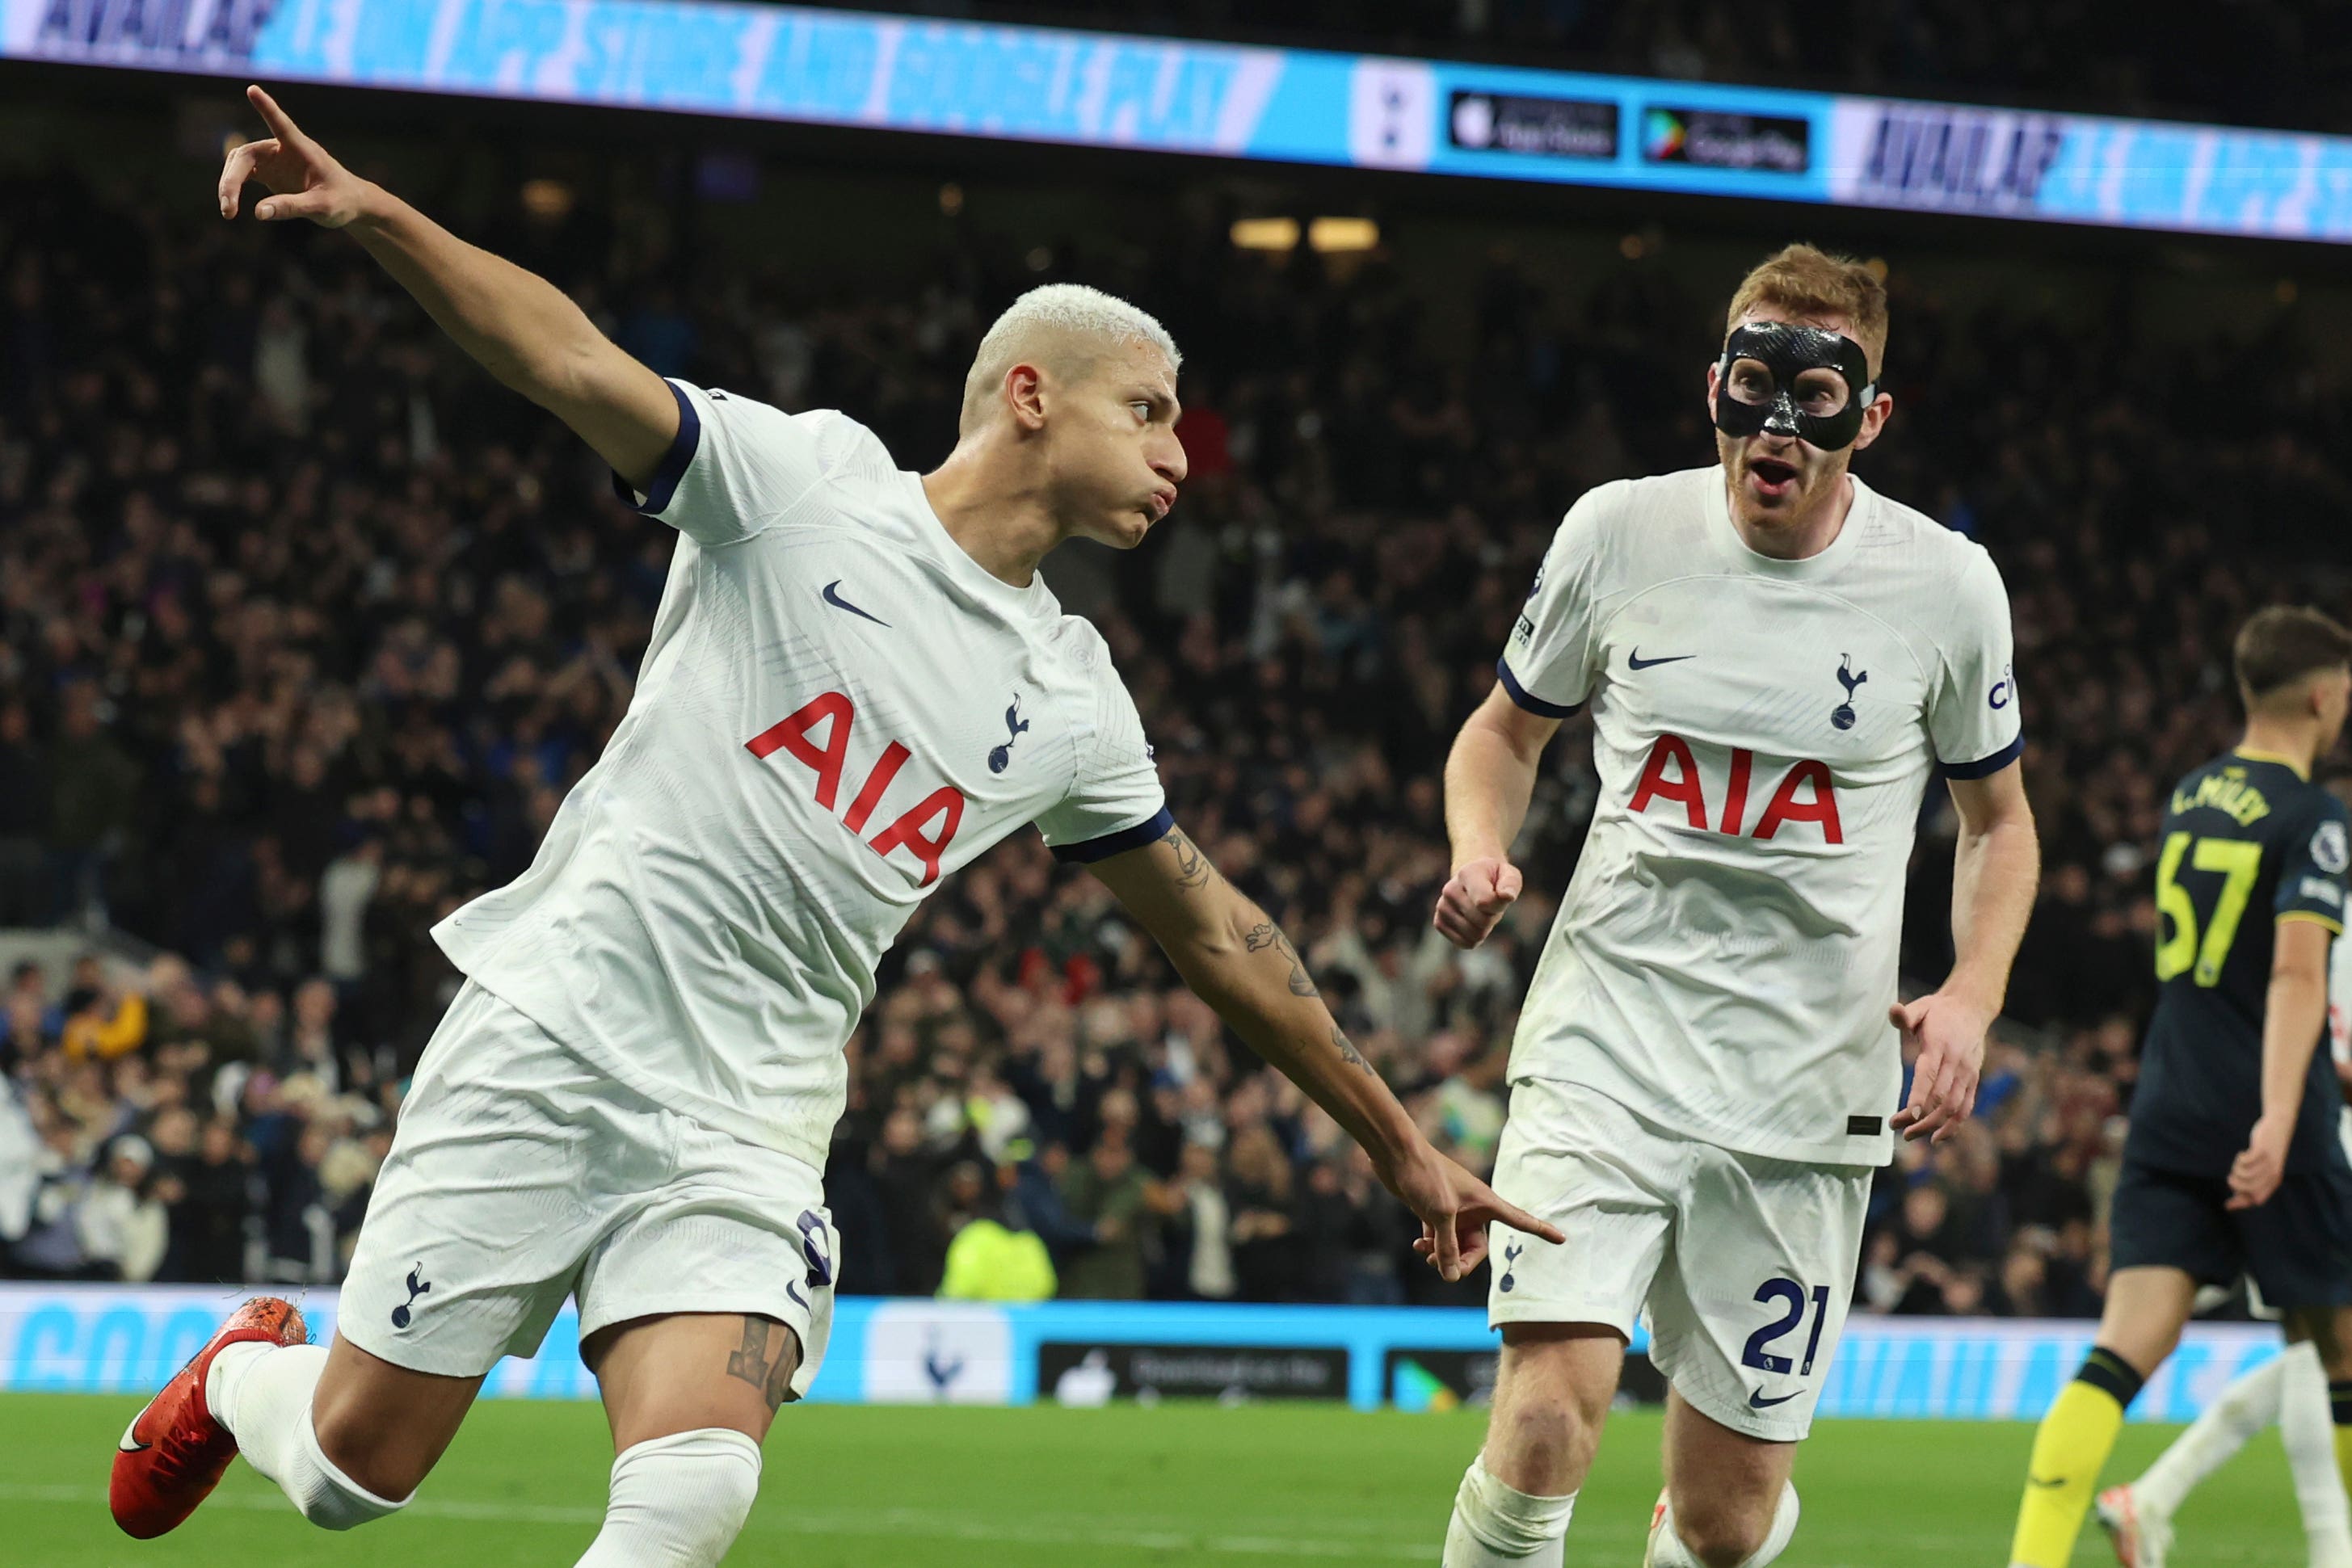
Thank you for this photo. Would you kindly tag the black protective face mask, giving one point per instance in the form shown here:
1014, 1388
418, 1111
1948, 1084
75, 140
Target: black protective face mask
1757, 388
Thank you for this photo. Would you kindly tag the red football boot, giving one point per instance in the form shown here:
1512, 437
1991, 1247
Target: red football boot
174, 1452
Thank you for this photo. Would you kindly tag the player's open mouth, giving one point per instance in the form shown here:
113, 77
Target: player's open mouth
1772, 477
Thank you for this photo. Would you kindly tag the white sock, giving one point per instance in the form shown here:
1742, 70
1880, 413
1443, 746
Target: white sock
1499, 1526
2308, 1430
2242, 1409
261, 1393
678, 1501
1669, 1552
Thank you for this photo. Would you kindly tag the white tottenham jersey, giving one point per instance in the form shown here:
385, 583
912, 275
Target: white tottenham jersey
1764, 731
838, 708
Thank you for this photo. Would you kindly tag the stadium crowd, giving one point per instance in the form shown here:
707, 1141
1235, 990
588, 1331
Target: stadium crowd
306, 626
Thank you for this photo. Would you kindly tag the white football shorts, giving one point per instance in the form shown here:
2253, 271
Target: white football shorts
522, 1174
1744, 1264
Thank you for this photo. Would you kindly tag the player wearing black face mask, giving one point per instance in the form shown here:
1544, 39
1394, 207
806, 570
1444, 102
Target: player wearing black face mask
1793, 396
1777, 661
1797, 381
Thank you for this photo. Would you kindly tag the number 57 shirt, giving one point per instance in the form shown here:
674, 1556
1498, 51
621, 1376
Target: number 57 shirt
1764, 730
2248, 842
837, 709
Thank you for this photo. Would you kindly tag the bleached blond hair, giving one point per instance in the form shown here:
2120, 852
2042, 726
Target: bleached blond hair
1065, 326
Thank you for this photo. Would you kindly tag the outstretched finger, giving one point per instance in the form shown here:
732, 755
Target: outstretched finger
238, 169
1518, 1218
281, 124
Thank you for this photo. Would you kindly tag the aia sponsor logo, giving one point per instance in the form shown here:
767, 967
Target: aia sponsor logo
923, 830
1671, 778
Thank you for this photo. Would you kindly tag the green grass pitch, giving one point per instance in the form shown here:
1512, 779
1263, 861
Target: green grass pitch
1122, 1488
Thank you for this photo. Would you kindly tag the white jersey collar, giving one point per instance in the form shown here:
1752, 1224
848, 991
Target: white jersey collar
1036, 600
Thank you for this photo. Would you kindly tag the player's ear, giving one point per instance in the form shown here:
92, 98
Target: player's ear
1873, 419
1025, 395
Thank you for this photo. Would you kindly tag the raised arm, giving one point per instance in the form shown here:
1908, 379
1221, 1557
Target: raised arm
1489, 776
1241, 964
523, 329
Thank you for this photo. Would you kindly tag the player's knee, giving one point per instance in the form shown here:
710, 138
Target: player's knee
678, 1501
1541, 1445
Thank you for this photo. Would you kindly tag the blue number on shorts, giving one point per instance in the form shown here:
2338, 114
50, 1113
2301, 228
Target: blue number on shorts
1756, 1355
1820, 1316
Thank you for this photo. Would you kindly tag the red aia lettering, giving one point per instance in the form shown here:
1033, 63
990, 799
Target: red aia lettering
1821, 809
1656, 786
832, 710
906, 832
1685, 785
913, 830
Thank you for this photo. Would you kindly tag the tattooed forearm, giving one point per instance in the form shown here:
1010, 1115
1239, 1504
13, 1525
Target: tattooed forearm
1192, 867
1349, 1053
771, 1373
1264, 934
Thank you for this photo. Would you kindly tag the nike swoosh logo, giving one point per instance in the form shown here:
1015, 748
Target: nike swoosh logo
1757, 1401
1634, 659
832, 597
131, 1443
2037, 1481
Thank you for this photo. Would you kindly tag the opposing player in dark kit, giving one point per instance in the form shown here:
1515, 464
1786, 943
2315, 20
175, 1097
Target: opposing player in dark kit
2235, 1164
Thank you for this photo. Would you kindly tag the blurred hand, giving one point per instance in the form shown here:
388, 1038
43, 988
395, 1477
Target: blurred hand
306, 180
2256, 1173
1474, 898
1949, 1035
1455, 1207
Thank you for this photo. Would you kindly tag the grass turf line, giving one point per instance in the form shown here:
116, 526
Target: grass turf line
1123, 1487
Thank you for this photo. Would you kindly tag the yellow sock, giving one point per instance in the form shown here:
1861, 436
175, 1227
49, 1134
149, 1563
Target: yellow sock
2339, 1402
2069, 1451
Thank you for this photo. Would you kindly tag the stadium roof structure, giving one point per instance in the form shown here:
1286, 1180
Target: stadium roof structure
1436, 118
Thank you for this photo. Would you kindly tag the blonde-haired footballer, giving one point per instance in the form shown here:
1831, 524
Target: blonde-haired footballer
857, 683
1778, 660
2235, 1164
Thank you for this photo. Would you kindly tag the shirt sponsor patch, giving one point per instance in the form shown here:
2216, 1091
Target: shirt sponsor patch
2328, 849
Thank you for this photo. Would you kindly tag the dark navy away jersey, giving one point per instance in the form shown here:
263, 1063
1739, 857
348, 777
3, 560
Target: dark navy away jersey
2247, 842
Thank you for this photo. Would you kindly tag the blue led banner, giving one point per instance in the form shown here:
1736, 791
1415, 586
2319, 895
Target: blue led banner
112, 1339
835, 67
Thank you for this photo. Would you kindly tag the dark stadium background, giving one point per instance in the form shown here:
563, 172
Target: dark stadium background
305, 623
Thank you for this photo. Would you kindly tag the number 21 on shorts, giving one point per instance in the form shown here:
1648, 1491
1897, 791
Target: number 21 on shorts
1793, 1300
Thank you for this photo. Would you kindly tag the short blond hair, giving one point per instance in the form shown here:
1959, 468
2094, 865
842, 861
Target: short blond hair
1068, 316
1803, 280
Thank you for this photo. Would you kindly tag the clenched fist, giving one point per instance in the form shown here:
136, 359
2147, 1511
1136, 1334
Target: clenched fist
1474, 898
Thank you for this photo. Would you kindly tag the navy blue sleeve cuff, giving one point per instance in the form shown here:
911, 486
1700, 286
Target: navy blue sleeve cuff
682, 448
1984, 766
1117, 843
1521, 695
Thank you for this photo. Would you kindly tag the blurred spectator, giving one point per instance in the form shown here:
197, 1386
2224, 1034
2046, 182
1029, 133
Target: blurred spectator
1105, 1193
